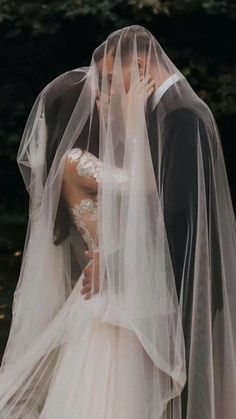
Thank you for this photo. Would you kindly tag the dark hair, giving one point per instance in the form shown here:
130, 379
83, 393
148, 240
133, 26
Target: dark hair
126, 37
58, 110
63, 220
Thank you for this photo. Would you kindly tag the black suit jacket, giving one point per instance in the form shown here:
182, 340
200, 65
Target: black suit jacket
178, 186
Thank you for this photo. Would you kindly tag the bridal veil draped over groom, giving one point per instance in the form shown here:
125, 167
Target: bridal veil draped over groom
164, 266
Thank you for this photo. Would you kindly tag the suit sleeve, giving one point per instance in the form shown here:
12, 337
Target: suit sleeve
184, 136
179, 189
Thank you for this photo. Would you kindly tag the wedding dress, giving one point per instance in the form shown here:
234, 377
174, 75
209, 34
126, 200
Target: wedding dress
107, 366
102, 370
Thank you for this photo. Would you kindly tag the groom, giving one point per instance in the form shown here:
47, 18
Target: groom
178, 178
179, 175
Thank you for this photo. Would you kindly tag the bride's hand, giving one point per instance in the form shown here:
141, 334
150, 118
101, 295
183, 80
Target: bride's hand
141, 86
144, 85
91, 274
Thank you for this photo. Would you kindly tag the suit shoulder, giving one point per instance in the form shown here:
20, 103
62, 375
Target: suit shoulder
184, 128
185, 120
183, 114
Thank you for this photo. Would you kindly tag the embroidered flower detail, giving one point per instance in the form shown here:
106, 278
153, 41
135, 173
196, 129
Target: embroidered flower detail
88, 164
89, 207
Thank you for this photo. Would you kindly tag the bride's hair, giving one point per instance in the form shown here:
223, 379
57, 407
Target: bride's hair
63, 221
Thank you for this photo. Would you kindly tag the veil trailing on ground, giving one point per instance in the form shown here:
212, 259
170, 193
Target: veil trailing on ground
165, 231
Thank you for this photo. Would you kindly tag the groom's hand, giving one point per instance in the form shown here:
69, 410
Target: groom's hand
91, 275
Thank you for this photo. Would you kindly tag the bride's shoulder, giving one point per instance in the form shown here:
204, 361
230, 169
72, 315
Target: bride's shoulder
75, 154
84, 162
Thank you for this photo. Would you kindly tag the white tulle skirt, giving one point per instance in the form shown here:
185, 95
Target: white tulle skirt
102, 370
104, 374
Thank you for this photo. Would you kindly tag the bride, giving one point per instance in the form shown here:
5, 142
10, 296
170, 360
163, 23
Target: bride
124, 160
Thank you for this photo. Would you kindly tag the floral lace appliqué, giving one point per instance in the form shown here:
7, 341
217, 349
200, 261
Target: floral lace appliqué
90, 166
89, 207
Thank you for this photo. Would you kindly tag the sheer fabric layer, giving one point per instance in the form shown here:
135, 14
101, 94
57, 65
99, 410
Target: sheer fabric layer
149, 195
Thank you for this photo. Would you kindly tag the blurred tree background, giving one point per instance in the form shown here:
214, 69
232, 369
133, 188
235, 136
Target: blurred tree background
41, 39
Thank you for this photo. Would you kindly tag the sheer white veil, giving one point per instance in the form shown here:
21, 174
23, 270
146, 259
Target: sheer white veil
178, 315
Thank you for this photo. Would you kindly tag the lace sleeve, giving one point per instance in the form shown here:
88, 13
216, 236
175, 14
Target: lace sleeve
90, 166
117, 175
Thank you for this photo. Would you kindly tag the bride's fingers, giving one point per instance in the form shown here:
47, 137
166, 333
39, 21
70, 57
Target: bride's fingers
143, 85
150, 87
145, 81
85, 289
85, 281
87, 296
135, 84
148, 82
150, 91
138, 84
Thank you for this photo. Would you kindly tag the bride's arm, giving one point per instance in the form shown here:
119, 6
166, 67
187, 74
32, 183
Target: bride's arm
80, 182
83, 171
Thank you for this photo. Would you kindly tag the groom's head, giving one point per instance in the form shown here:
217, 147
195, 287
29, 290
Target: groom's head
124, 45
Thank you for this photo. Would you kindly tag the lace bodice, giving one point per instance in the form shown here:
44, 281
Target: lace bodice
85, 212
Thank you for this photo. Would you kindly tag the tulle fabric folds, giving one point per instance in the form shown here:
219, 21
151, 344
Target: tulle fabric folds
163, 321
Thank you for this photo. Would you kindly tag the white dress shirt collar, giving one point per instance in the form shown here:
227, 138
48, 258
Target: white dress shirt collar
159, 92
